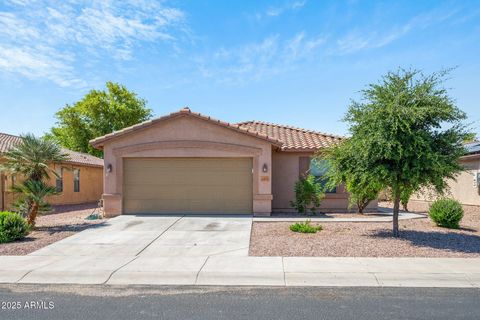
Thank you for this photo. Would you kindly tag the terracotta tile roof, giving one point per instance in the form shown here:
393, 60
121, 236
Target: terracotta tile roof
472, 147
98, 142
292, 138
83, 158
8, 141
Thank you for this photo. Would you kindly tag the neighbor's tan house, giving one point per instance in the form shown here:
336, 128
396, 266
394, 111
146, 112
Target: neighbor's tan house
187, 162
466, 187
80, 178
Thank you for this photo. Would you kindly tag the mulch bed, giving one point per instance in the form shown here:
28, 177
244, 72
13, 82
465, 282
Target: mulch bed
64, 222
418, 238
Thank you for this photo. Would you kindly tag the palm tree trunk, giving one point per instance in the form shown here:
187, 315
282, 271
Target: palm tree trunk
32, 216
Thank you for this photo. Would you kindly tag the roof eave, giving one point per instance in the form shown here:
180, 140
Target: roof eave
471, 156
313, 150
82, 164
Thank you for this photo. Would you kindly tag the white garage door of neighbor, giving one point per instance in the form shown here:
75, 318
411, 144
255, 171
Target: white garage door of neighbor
187, 185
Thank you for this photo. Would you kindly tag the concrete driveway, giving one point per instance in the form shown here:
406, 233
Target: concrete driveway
158, 236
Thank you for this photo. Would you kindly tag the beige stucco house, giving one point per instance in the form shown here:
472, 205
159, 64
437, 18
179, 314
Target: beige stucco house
465, 188
187, 162
80, 178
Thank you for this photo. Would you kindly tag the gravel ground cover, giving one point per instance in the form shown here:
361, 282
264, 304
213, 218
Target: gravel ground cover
64, 222
418, 238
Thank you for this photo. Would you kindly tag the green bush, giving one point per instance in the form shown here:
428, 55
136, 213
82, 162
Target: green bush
446, 213
305, 227
308, 194
12, 227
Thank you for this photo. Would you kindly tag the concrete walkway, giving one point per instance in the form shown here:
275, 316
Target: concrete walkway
383, 215
182, 250
377, 217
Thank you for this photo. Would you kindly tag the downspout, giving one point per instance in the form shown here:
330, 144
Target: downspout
2, 190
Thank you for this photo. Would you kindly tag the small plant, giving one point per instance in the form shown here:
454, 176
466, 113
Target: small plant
305, 227
12, 227
446, 213
308, 194
405, 197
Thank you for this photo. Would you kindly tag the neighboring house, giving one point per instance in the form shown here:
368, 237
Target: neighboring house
80, 181
186, 162
466, 187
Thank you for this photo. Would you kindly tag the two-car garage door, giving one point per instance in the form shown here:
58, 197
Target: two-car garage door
187, 185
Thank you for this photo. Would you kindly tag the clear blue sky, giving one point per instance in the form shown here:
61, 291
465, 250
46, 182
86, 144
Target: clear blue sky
292, 62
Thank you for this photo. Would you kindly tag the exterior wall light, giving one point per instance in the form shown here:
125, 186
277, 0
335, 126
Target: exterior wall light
109, 168
265, 168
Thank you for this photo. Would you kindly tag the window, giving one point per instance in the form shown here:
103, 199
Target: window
318, 168
59, 179
76, 180
14, 180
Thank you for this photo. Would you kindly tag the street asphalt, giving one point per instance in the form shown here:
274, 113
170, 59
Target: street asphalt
156, 302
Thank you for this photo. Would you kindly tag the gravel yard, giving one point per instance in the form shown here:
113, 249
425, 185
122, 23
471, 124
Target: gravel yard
418, 238
64, 222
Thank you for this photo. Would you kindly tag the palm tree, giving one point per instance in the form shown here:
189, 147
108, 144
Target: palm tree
32, 159
32, 156
32, 199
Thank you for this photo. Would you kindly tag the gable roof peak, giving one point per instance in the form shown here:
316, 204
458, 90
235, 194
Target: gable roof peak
185, 111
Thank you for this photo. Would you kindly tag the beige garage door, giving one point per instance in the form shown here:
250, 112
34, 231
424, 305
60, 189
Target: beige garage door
187, 185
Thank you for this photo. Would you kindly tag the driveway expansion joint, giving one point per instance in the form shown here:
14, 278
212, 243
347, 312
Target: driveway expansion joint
114, 271
161, 234
201, 268
34, 269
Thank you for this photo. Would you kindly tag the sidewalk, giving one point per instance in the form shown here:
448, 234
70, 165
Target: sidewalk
242, 270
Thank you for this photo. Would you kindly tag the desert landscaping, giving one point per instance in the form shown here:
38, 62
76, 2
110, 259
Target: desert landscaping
418, 238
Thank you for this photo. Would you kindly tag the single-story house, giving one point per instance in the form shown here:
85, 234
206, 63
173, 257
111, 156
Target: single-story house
186, 162
80, 178
466, 187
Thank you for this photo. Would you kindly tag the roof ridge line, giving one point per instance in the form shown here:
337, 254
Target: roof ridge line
11, 135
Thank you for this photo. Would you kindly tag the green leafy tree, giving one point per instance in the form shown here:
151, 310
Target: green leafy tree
308, 194
405, 197
98, 113
345, 168
470, 137
407, 133
362, 192
31, 159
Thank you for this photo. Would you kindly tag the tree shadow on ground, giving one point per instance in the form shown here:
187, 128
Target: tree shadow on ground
73, 207
69, 227
447, 241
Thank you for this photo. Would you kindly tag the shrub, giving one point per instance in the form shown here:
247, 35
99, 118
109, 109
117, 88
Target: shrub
446, 213
405, 197
12, 227
308, 194
305, 227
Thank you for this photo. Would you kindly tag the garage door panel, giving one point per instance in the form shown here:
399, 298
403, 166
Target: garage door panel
159, 207
188, 185
199, 193
179, 180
